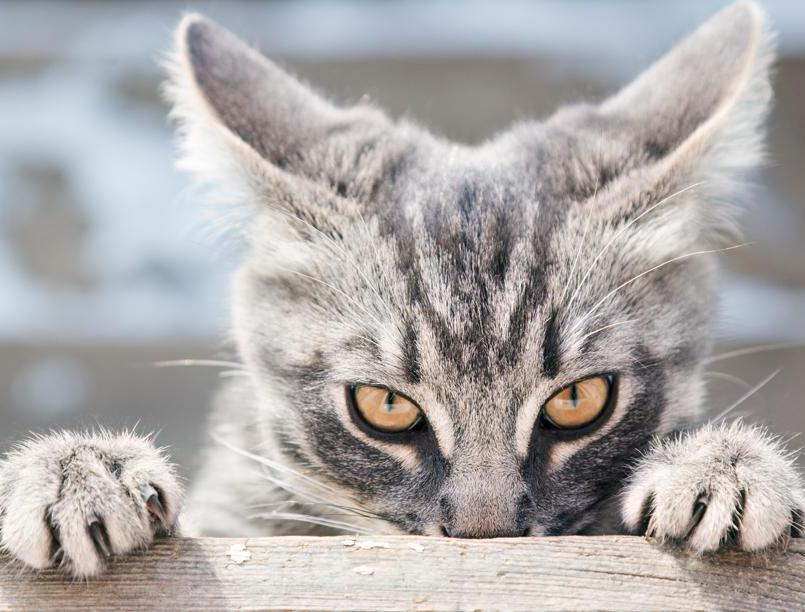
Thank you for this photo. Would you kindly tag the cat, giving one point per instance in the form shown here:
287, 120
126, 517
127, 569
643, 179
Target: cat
499, 340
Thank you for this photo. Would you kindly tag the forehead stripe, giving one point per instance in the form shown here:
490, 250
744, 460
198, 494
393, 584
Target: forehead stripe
551, 352
411, 354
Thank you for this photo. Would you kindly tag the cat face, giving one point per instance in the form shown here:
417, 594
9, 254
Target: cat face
476, 341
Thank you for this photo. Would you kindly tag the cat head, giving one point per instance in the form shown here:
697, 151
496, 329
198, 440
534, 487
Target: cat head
476, 340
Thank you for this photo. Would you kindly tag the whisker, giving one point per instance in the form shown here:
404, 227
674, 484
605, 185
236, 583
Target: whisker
346, 257
313, 500
728, 377
588, 223
367, 232
353, 317
210, 363
347, 510
272, 464
750, 350
796, 452
605, 327
313, 497
306, 518
338, 291
289, 488
598, 304
617, 235
746, 395
233, 373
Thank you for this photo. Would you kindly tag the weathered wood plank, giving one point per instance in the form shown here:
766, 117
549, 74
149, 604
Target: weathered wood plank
390, 573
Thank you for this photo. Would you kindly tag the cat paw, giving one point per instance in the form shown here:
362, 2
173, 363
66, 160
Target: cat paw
719, 486
75, 500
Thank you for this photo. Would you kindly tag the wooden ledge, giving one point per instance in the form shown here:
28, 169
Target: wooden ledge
392, 573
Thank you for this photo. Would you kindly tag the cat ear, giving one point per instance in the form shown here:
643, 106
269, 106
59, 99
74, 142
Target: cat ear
250, 127
693, 121
707, 98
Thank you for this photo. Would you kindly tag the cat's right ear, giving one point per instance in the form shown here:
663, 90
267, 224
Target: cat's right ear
247, 126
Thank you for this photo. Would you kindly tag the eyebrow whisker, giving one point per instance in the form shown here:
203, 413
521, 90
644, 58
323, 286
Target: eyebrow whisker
751, 350
598, 304
617, 235
728, 377
605, 327
746, 395
209, 363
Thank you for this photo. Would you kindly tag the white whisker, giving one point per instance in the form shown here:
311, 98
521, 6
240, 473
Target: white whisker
210, 363
612, 240
598, 304
587, 225
746, 396
572, 272
233, 373
729, 378
315, 497
315, 520
367, 232
338, 291
345, 257
312, 499
751, 350
347, 510
272, 464
289, 488
605, 327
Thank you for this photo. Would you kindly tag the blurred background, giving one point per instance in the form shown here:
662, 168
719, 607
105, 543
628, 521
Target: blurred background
108, 265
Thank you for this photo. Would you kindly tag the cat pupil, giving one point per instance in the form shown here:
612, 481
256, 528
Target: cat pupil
574, 395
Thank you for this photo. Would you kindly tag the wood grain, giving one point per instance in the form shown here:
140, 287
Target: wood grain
393, 573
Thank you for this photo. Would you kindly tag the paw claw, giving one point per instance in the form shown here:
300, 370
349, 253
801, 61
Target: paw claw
797, 525
651, 527
100, 538
699, 508
154, 504
58, 556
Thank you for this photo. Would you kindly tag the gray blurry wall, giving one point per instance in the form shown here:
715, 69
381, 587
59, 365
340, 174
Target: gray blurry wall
107, 265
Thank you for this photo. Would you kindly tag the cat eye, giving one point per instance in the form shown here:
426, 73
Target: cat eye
385, 410
580, 403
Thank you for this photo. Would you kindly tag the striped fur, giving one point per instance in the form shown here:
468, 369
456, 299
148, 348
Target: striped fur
477, 281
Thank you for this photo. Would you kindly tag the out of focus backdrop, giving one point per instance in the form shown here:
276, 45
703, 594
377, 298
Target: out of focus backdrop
107, 264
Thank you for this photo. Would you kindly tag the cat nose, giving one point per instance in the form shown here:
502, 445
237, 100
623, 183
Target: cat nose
482, 519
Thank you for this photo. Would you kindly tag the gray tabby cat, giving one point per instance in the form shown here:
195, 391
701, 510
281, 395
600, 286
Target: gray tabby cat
499, 340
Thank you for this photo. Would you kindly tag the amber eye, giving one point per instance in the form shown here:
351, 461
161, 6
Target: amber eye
578, 404
385, 410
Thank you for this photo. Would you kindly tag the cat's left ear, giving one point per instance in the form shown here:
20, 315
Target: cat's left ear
250, 127
693, 118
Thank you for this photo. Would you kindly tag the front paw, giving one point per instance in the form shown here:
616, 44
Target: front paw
717, 486
77, 499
